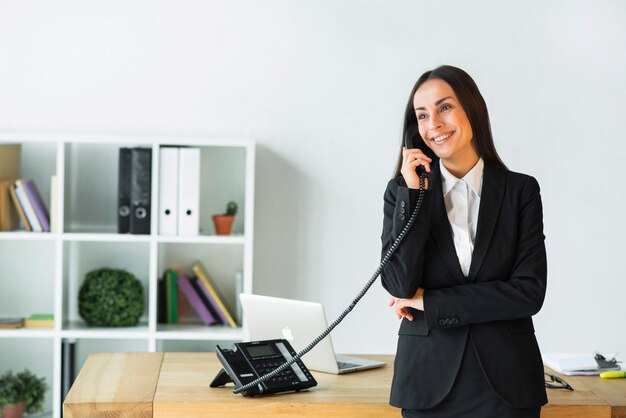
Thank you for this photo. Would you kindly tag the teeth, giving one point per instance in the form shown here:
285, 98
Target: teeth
441, 138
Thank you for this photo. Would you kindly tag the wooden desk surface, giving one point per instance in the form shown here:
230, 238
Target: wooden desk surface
177, 385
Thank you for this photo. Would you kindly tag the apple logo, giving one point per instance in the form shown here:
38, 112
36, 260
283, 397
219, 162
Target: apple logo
287, 334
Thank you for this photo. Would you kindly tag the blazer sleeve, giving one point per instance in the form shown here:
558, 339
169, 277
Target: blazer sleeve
518, 296
403, 274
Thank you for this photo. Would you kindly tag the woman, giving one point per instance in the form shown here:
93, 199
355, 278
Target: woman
471, 271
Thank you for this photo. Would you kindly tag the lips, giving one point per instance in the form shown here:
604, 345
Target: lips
441, 138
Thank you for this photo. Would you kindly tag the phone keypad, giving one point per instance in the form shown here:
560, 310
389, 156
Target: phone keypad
286, 375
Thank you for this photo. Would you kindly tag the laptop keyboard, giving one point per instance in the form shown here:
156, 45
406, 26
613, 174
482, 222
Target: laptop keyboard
343, 365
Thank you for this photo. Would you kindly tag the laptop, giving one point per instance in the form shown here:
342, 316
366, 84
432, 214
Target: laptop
298, 322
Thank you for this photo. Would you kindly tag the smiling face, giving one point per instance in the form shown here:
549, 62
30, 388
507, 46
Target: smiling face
443, 124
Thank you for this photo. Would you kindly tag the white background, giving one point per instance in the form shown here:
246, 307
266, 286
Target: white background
321, 86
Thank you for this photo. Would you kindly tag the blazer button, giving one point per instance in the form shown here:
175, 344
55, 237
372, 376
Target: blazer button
402, 204
401, 217
455, 321
442, 322
402, 210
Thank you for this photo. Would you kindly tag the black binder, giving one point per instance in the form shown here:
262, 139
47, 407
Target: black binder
140, 190
68, 367
123, 191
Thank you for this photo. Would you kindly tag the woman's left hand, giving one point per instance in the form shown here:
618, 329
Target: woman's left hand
400, 305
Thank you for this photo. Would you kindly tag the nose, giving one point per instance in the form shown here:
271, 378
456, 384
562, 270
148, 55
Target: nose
435, 122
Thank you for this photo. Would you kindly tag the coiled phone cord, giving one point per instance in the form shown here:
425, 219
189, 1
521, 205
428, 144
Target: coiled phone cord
369, 284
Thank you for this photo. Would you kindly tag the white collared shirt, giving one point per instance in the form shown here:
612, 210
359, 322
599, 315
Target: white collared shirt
462, 200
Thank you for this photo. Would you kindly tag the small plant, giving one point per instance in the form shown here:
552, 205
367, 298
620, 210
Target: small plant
224, 222
24, 387
231, 209
111, 298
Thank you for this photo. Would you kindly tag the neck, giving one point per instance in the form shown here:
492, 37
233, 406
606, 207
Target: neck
460, 167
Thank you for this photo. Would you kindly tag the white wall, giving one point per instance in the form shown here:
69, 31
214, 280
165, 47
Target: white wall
321, 85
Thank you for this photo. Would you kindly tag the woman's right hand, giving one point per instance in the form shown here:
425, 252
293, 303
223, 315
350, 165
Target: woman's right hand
411, 159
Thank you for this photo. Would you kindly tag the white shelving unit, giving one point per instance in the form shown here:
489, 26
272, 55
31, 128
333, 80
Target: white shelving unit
42, 272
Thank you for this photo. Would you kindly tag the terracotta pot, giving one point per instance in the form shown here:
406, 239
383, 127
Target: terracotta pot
223, 224
13, 411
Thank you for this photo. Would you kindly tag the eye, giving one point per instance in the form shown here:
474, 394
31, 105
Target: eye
421, 116
445, 107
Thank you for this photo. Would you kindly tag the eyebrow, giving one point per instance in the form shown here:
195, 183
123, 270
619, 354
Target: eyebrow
437, 103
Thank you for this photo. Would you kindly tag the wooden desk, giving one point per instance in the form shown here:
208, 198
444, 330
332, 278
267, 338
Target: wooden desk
177, 385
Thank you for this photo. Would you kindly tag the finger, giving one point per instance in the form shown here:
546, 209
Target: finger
421, 158
403, 313
415, 153
417, 163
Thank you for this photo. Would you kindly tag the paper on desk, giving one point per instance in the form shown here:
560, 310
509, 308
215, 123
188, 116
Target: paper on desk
574, 364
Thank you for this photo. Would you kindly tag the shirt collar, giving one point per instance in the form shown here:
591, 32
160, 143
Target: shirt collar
474, 178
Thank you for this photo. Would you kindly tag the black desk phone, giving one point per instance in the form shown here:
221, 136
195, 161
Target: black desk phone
248, 361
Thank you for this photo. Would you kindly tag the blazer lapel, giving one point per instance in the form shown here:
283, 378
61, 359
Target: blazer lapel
494, 184
440, 228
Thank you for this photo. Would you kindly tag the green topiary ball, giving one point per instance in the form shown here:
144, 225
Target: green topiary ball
110, 298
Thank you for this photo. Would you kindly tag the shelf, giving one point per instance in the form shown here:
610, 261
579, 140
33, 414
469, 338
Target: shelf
203, 239
27, 333
105, 237
198, 332
79, 329
44, 272
27, 235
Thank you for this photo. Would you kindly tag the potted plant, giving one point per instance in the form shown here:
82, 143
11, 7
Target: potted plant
21, 392
224, 222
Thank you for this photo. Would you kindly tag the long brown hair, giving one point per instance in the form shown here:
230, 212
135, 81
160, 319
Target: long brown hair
472, 103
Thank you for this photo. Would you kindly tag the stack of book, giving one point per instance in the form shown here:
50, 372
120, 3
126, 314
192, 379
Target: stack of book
11, 323
19, 198
200, 293
37, 320
28, 203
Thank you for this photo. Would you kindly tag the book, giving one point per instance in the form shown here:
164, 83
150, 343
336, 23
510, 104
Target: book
10, 323
198, 305
54, 196
39, 320
223, 310
10, 156
205, 297
20, 209
140, 190
171, 298
28, 208
8, 212
37, 203
161, 301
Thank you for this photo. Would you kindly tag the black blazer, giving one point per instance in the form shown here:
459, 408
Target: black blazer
506, 285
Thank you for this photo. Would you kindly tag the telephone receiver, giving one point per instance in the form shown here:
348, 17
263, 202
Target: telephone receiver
272, 366
410, 144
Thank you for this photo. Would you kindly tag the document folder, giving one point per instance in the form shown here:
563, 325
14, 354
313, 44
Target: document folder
168, 191
140, 190
188, 191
